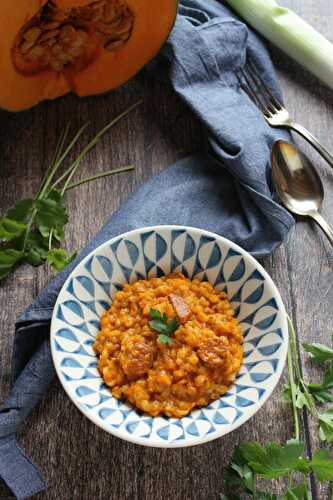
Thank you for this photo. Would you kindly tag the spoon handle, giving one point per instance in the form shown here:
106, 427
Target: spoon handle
323, 224
313, 141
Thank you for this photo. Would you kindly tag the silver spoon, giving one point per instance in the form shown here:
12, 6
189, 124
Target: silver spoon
298, 184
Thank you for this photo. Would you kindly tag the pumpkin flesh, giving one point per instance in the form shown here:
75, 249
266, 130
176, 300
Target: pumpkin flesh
55, 46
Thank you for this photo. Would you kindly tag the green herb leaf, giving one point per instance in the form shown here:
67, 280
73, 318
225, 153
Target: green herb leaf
320, 353
303, 400
165, 339
11, 229
8, 259
159, 326
273, 461
21, 210
239, 474
326, 425
154, 314
36, 248
286, 394
59, 258
322, 392
159, 322
51, 214
299, 492
322, 465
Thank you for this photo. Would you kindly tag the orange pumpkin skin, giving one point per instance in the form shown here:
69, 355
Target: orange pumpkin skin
106, 43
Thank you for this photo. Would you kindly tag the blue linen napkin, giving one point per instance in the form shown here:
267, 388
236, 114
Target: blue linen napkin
226, 190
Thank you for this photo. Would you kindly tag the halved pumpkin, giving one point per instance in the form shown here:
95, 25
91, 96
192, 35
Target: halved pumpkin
51, 47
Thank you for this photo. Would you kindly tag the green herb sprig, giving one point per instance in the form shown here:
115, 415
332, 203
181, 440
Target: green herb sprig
252, 460
160, 323
32, 231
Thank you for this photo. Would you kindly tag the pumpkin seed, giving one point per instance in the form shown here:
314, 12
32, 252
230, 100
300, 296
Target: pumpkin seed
125, 26
26, 46
113, 45
52, 25
32, 34
36, 52
49, 34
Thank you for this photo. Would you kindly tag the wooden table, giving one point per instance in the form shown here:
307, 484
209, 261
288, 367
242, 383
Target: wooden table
156, 135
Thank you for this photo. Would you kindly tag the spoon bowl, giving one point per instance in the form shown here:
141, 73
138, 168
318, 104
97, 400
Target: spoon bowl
298, 184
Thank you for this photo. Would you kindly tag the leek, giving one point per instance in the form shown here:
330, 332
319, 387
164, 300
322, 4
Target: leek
291, 34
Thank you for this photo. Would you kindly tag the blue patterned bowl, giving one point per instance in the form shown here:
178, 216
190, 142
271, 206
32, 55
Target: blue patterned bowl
156, 251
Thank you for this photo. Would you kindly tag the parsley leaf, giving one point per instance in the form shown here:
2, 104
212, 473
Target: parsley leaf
320, 353
10, 229
273, 461
21, 210
165, 339
322, 465
322, 392
59, 258
303, 400
159, 322
239, 474
36, 248
286, 394
326, 425
299, 492
51, 213
8, 259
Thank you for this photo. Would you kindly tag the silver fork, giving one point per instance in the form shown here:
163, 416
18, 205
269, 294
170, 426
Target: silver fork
275, 114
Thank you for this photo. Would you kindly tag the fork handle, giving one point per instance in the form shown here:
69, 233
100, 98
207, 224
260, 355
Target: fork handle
312, 140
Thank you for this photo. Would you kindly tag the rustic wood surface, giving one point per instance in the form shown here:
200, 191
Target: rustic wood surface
160, 132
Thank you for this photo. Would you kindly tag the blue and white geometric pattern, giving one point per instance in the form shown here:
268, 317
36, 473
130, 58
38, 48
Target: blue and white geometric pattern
154, 252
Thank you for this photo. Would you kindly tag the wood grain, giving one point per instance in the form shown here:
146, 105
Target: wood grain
161, 131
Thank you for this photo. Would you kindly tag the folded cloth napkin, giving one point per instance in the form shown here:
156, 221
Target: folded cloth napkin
226, 191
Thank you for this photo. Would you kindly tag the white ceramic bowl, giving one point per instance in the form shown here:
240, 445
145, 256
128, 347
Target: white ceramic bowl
160, 250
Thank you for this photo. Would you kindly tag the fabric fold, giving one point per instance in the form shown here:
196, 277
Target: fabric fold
225, 190
18, 472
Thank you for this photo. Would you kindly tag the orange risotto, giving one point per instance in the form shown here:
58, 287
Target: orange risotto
193, 368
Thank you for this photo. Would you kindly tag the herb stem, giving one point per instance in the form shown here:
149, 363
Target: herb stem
50, 239
27, 231
99, 176
60, 160
293, 392
290, 479
58, 150
294, 350
95, 140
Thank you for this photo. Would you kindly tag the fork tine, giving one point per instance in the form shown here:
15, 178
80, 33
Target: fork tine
262, 85
250, 89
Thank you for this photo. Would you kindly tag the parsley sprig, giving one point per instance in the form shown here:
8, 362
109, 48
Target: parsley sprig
160, 323
32, 232
272, 461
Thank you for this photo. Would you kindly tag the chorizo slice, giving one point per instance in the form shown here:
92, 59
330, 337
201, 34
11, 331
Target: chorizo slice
212, 351
136, 356
181, 307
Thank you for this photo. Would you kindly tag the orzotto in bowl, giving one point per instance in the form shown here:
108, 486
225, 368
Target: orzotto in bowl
160, 250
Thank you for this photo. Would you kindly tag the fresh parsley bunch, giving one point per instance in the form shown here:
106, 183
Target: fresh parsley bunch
272, 461
32, 232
